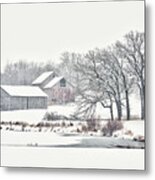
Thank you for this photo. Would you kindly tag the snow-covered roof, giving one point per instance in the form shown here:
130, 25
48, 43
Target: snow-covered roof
23, 91
53, 82
42, 77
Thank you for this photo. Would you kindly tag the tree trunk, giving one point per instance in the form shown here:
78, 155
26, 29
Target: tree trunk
126, 98
111, 112
142, 97
118, 100
119, 110
127, 105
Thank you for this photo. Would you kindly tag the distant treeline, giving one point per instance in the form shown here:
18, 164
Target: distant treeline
23, 72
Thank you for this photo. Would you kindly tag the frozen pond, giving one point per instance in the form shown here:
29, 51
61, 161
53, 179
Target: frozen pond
38, 139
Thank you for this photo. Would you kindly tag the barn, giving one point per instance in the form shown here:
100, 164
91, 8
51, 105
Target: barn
22, 97
58, 89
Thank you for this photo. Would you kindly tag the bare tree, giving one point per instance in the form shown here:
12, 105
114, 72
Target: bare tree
104, 71
126, 78
93, 88
113, 77
133, 50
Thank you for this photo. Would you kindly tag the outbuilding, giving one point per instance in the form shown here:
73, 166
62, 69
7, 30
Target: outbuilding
57, 88
22, 97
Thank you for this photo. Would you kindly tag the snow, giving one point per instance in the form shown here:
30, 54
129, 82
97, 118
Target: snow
33, 138
65, 109
137, 127
134, 109
48, 149
132, 129
49, 134
34, 116
29, 116
53, 82
23, 91
50, 139
42, 77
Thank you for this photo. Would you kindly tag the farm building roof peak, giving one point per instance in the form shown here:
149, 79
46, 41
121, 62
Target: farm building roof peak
42, 77
54, 81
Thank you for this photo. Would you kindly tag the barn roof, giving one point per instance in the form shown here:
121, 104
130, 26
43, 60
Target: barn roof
42, 77
23, 91
53, 82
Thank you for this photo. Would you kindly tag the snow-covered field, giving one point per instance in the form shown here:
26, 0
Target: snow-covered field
32, 148
66, 110
34, 116
63, 132
29, 116
53, 132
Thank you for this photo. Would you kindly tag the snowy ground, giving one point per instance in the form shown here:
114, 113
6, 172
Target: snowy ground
29, 116
35, 116
48, 148
52, 134
64, 133
66, 110
41, 139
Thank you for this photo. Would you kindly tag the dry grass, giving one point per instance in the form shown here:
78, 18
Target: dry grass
111, 127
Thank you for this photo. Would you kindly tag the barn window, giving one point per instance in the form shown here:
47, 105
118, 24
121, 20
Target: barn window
63, 83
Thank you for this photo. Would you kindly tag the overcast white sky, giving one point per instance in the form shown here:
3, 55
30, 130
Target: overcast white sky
41, 32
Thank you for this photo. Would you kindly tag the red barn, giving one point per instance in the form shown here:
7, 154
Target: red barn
58, 89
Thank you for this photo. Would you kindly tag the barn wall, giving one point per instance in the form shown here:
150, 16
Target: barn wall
17, 103
37, 103
28, 103
58, 94
11, 103
5, 100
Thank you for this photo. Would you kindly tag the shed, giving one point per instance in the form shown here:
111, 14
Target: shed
22, 97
